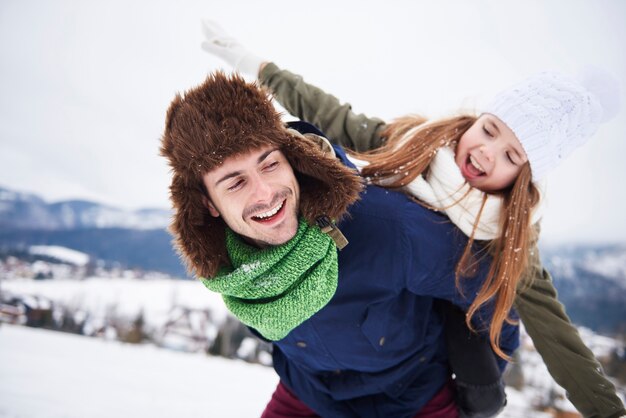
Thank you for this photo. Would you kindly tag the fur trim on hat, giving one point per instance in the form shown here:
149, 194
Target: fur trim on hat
223, 117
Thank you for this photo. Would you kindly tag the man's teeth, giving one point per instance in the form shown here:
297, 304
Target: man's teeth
271, 212
476, 165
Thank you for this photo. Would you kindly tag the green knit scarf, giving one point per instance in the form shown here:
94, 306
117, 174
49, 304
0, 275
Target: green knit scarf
275, 289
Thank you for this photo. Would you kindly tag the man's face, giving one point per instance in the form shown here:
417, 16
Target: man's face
257, 195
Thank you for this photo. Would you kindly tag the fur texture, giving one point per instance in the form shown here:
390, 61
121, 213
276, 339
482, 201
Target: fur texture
223, 117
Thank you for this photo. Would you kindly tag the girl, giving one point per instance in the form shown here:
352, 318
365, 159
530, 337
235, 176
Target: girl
483, 172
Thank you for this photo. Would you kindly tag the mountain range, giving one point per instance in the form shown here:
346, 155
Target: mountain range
133, 239
590, 279
591, 283
20, 210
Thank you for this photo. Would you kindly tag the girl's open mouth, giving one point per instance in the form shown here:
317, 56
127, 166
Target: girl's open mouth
471, 169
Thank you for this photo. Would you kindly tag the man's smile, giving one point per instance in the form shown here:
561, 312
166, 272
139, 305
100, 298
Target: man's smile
270, 215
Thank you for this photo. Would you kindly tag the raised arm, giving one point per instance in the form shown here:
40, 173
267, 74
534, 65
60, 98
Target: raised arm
309, 103
312, 104
569, 361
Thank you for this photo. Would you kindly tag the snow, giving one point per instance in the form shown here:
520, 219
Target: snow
61, 253
14, 196
518, 406
105, 217
600, 345
154, 298
609, 264
49, 374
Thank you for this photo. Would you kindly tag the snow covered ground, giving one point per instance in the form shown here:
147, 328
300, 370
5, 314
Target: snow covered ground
51, 374
60, 253
48, 374
128, 297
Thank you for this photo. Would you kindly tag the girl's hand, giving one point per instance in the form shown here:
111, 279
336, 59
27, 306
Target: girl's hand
222, 45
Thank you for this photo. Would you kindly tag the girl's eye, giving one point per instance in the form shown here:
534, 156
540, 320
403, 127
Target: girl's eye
508, 155
487, 131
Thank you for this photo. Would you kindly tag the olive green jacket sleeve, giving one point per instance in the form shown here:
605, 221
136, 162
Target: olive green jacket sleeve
569, 361
338, 122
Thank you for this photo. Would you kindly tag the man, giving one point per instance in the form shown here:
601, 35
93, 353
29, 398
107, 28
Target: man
260, 212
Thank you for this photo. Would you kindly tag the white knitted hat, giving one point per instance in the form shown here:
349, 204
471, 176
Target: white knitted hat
552, 114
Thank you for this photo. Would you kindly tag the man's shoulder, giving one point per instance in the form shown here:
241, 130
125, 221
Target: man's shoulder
379, 208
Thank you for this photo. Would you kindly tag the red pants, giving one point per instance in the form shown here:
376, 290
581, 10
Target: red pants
284, 404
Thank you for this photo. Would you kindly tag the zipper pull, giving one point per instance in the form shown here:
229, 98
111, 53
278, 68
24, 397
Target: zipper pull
330, 229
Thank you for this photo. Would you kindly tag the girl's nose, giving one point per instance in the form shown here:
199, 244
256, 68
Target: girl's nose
487, 152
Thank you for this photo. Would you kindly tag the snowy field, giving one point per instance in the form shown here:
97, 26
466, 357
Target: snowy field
51, 374
153, 297
48, 374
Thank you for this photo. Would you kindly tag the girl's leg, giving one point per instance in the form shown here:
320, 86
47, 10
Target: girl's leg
284, 404
479, 385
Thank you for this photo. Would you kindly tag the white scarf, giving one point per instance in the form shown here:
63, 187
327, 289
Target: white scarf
446, 190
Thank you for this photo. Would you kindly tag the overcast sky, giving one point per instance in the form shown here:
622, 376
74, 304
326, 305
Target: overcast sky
84, 85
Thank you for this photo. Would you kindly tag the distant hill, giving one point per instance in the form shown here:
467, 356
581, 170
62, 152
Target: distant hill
134, 239
130, 248
591, 281
27, 211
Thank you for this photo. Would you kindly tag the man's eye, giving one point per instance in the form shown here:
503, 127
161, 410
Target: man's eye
238, 184
271, 166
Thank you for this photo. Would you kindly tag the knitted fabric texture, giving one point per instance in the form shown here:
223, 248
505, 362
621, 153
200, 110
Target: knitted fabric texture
552, 114
445, 189
275, 289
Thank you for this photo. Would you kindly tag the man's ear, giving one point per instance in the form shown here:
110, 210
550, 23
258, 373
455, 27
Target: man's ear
209, 205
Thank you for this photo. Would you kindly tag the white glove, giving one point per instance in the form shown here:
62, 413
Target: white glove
219, 43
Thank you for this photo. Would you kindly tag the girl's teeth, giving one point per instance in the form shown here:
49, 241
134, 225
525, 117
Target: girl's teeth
269, 212
476, 165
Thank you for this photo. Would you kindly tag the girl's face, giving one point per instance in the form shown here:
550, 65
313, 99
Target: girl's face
489, 154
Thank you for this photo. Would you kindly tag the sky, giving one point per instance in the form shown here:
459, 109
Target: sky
84, 85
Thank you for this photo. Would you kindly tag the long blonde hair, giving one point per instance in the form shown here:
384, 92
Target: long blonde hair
411, 144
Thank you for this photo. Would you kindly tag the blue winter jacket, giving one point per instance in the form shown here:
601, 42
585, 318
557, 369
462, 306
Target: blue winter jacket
377, 348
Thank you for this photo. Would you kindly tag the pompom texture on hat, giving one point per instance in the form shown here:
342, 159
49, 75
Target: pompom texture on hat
605, 87
552, 114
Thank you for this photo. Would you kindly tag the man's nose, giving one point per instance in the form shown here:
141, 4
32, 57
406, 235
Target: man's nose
262, 189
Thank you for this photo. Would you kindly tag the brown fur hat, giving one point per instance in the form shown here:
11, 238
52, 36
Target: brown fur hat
223, 117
